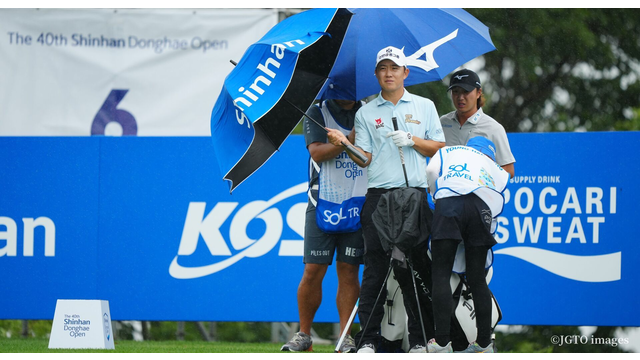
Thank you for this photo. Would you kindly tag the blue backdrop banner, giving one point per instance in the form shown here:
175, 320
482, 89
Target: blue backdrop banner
149, 225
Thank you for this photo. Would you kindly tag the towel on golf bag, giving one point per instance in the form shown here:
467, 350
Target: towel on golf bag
403, 219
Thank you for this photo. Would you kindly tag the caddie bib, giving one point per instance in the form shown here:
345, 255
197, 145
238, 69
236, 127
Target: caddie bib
342, 186
465, 170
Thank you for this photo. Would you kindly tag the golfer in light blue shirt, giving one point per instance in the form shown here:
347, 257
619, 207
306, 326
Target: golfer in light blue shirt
420, 136
417, 119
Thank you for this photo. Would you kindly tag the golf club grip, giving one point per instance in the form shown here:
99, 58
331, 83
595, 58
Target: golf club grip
401, 152
395, 128
352, 150
401, 155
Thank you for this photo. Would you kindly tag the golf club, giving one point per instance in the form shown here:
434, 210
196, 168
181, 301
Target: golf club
404, 168
415, 290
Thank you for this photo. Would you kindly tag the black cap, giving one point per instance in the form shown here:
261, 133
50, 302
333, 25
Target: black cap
465, 79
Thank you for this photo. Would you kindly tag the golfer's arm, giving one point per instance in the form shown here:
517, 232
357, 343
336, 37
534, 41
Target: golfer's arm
427, 147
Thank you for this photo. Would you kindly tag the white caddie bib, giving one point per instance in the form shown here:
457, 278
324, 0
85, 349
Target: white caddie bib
465, 170
342, 186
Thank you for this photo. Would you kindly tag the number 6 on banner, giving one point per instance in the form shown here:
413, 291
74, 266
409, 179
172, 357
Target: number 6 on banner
109, 113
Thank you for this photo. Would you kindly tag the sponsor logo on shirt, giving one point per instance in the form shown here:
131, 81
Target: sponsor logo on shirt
408, 118
379, 123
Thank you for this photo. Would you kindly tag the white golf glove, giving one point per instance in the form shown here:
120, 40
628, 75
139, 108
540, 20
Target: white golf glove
401, 138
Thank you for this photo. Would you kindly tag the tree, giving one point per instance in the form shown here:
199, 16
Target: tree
558, 69
561, 69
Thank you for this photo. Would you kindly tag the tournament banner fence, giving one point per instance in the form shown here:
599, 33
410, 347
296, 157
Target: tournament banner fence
145, 72
148, 224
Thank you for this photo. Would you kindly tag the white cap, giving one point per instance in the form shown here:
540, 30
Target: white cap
392, 53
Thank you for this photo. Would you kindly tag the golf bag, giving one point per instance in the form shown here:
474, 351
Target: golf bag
394, 327
463, 319
463, 325
401, 219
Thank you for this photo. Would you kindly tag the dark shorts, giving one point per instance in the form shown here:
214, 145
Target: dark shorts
466, 218
320, 247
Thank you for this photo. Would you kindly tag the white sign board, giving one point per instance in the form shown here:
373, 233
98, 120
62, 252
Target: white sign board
81, 324
145, 72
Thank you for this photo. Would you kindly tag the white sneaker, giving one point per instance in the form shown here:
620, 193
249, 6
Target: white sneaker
367, 349
418, 349
433, 347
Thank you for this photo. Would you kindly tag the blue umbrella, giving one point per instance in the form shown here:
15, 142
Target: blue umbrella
282, 72
435, 42
327, 53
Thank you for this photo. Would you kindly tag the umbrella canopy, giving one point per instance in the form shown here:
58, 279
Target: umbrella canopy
402, 219
322, 54
435, 42
255, 111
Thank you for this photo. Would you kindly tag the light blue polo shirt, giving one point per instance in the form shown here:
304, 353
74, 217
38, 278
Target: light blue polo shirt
414, 114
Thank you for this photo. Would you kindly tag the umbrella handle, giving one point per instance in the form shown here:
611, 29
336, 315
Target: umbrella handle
349, 148
353, 151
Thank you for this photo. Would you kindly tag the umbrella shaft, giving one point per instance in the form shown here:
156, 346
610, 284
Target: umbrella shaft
349, 148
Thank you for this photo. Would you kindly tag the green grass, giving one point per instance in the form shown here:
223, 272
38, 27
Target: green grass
130, 346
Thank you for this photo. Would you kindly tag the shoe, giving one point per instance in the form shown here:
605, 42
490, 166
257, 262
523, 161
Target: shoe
348, 345
475, 348
367, 349
418, 349
299, 342
433, 347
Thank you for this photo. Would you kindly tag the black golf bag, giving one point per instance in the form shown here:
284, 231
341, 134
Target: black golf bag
403, 222
463, 324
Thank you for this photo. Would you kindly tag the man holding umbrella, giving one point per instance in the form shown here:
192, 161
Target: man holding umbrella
419, 135
329, 170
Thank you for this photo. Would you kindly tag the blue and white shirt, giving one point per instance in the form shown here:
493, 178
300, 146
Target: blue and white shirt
462, 170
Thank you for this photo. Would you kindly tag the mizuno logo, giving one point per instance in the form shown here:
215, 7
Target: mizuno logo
430, 62
460, 77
